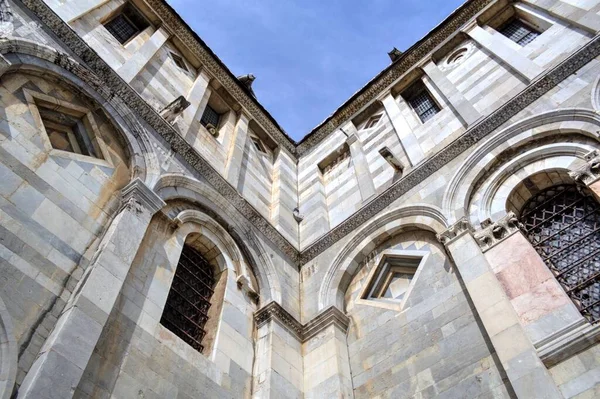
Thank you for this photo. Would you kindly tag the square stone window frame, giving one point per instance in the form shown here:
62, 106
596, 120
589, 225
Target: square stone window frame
35, 99
370, 281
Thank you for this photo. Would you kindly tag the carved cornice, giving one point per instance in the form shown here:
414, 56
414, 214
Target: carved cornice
391, 74
590, 171
138, 196
215, 67
494, 233
567, 342
107, 82
473, 135
453, 232
274, 312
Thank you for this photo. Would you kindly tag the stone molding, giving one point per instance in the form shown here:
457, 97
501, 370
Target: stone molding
275, 312
472, 136
138, 196
590, 171
494, 233
567, 342
455, 231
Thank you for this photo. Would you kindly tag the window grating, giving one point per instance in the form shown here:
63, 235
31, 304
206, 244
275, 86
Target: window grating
563, 224
421, 101
518, 32
210, 116
186, 310
127, 24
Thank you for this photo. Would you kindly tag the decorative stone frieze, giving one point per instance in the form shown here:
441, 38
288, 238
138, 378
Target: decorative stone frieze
590, 171
456, 230
274, 311
494, 233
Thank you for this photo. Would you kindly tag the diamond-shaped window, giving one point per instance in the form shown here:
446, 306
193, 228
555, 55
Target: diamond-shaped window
67, 130
391, 281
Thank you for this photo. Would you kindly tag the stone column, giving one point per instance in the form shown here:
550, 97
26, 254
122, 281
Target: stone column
359, 160
278, 368
284, 197
582, 17
238, 145
461, 106
326, 360
195, 96
65, 354
75, 9
497, 45
407, 138
138, 60
526, 373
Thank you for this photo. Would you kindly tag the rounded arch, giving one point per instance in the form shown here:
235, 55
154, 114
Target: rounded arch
346, 264
30, 57
172, 187
543, 126
8, 353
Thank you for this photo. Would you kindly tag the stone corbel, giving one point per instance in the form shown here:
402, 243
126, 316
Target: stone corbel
138, 197
589, 172
453, 232
174, 109
494, 233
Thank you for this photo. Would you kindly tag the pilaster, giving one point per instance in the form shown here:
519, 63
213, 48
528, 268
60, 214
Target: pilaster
65, 354
137, 61
405, 135
238, 145
195, 96
525, 371
496, 44
461, 106
359, 160
284, 197
581, 17
72, 10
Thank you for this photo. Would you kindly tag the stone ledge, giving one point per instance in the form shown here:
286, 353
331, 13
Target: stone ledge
567, 342
275, 312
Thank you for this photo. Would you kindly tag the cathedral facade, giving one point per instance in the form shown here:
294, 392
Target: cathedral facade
162, 237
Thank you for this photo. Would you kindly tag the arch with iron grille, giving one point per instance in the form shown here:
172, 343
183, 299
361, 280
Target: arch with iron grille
562, 223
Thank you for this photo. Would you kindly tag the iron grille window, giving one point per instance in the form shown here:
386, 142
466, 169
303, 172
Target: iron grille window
563, 224
210, 116
186, 310
518, 32
127, 24
421, 101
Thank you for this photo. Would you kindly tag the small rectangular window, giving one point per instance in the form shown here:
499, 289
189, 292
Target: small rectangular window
258, 145
127, 24
66, 133
179, 62
520, 33
421, 101
210, 117
372, 122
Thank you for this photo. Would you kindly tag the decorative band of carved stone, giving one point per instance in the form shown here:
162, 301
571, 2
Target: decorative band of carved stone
565, 343
274, 312
494, 233
590, 172
455, 231
137, 195
472, 136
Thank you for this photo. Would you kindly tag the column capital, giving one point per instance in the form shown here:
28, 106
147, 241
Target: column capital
469, 26
352, 138
138, 196
330, 316
458, 229
589, 172
273, 311
494, 233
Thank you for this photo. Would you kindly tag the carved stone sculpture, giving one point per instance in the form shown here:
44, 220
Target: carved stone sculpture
494, 233
174, 109
588, 172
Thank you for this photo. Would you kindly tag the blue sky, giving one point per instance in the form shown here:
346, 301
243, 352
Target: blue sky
309, 56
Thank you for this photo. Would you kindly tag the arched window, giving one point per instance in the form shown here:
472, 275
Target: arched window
563, 224
186, 310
